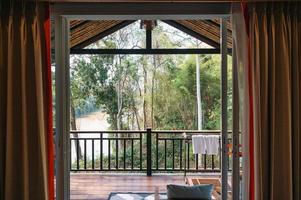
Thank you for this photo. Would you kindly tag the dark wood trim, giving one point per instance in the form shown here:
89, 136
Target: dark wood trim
148, 39
143, 8
149, 151
103, 34
145, 51
192, 33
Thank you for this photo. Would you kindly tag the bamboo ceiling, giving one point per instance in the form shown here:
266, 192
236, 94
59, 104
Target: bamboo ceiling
209, 29
81, 32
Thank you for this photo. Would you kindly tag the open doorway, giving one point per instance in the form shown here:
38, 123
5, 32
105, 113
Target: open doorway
133, 144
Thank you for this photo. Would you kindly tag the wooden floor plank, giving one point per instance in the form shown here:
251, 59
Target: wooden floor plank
97, 186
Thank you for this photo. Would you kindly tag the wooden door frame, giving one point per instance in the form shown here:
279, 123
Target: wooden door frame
62, 13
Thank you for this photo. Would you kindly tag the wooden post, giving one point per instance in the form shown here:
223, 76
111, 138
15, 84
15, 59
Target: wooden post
224, 95
62, 103
149, 151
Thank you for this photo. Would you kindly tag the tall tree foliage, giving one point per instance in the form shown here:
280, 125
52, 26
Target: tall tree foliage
138, 91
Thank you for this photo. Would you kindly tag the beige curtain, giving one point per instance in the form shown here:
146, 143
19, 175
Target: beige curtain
23, 105
275, 44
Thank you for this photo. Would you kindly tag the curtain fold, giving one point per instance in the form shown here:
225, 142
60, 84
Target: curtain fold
275, 46
241, 48
26, 167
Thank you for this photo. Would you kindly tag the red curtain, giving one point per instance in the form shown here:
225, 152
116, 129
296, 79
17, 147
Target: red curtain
50, 144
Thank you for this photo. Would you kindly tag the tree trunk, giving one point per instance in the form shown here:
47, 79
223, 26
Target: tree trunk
198, 89
152, 90
118, 106
137, 117
119, 99
145, 101
73, 127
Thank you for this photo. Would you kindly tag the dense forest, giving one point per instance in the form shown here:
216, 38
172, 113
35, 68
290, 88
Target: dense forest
139, 91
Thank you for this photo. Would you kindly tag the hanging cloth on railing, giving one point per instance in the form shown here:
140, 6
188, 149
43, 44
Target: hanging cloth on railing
205, 144
199, 144
212, 144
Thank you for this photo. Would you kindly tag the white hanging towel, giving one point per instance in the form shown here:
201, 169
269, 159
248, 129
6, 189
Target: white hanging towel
199, 144
212, 144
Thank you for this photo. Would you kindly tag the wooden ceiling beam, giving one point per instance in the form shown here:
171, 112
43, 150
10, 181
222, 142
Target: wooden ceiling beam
103, 34
192, 33
145, 51
143, 9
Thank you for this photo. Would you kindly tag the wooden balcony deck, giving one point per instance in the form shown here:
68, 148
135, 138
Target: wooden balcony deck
97, 186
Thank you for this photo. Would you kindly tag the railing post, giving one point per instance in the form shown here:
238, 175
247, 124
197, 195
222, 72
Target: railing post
149, 151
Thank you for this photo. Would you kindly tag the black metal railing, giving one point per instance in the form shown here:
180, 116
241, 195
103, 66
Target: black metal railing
145, 151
